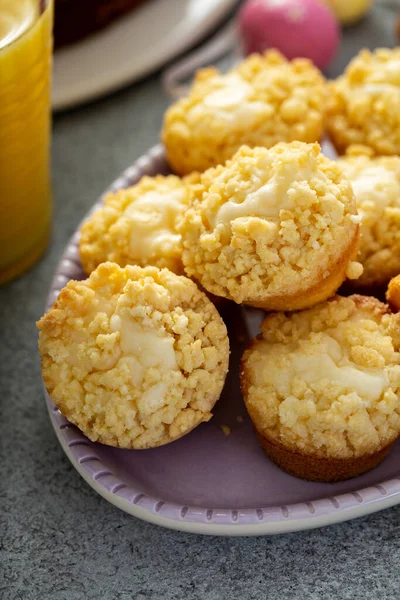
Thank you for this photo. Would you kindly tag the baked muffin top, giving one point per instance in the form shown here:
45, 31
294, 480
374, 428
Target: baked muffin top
135, 357
264, 100
138, 225
269, 222
376, 184
363, 103
326, 381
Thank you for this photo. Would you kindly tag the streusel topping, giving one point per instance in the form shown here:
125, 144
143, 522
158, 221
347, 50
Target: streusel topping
138, 225
264, 100
134, 357
269, 222
326, 381
376, 184
363, 103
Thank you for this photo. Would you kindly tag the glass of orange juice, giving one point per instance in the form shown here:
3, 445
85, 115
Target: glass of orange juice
25, 192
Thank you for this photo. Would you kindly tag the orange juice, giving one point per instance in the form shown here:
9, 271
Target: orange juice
25, 196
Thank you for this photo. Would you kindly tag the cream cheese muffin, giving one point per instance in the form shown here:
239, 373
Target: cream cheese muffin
264, 100
393, 294
273, 228
138, 225
376, 185
322, 387
363, 103
135, 357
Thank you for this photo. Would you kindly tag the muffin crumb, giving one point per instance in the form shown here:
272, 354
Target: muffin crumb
354, 270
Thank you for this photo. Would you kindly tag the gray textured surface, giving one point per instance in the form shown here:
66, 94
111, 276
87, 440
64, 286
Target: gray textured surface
59, 540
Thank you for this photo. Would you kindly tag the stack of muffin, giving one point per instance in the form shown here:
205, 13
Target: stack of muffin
137, 354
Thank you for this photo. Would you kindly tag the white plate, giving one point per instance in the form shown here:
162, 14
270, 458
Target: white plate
132, 47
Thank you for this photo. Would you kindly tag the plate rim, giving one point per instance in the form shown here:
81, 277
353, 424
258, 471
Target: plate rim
78, 95
201, 520
289, 525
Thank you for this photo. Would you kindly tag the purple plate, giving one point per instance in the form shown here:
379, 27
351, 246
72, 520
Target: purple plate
209, 482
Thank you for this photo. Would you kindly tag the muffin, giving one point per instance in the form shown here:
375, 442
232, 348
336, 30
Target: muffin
272, 228
135, 357
376, 185
138, 225
322, 387
264, 100
393, 294
363, 103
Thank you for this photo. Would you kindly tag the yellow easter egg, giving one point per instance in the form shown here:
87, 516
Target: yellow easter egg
349, 11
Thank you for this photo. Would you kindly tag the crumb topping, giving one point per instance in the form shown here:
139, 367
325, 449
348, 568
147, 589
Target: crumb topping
376, 184
269, 222
264, 100
137, 225
226, 430
134, 357
326, 381
362, 107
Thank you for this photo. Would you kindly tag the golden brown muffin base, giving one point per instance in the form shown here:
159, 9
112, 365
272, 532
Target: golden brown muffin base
317, 293
393, 294
313, 468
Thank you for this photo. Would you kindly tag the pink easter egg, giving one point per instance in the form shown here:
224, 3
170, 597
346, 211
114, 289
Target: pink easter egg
297, 28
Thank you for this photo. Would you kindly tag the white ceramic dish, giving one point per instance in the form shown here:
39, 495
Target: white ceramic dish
132, 47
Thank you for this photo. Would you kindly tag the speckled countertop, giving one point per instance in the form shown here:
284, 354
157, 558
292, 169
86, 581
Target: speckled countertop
59, 540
